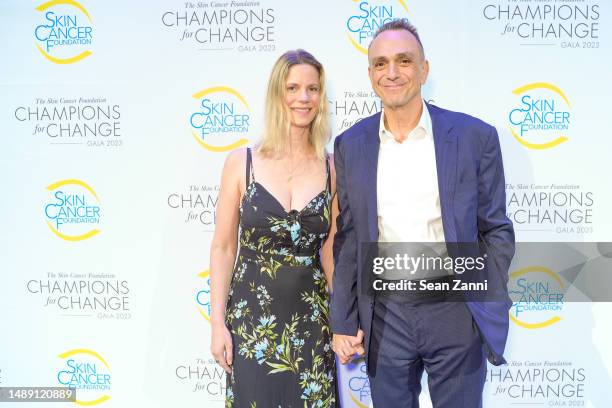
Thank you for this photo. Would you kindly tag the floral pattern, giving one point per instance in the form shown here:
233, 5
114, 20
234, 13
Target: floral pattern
278, 308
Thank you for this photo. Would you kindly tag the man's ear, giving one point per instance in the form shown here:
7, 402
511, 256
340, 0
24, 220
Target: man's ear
425, 72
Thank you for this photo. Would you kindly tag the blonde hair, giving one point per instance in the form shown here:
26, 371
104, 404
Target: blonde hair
277, 117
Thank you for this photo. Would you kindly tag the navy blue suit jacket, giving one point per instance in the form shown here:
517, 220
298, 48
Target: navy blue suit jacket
472, 198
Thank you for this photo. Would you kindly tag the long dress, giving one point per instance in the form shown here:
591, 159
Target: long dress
278, 306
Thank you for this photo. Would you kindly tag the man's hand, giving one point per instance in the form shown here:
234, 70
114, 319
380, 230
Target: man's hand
347, 346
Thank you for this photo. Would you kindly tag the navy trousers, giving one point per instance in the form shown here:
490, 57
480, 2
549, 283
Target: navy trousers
438, 337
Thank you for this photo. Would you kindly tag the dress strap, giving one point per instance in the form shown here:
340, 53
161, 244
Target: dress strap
328, 174
250, 174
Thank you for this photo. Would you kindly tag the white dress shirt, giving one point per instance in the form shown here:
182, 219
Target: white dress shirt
407, 186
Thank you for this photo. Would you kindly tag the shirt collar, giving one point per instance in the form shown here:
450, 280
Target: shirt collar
422, 130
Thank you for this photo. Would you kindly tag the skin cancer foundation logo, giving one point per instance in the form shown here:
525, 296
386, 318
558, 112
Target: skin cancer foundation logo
222, 120
73, 210
538, 295
541, 117
367, 17
65, 34
87, 372
359, 384
203, 296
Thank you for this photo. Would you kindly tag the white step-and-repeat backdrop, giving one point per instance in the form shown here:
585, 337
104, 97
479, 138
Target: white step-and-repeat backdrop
117, 117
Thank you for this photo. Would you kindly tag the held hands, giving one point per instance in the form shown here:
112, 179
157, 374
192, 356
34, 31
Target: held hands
347, 346
221, 346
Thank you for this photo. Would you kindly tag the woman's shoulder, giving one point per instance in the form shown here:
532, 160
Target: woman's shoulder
237, 156
235, 161
330, 158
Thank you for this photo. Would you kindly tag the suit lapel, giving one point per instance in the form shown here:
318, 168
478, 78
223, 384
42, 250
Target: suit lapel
445, 144
370, 149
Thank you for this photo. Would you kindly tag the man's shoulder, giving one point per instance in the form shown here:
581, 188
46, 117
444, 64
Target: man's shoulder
469, 129
458, 119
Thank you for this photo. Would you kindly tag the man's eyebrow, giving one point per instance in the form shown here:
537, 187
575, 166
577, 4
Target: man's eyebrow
406, 54
381, 58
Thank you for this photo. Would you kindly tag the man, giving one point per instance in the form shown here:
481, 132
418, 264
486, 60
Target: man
417, 173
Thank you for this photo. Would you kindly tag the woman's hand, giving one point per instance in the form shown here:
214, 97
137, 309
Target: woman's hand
221, 346
346, 347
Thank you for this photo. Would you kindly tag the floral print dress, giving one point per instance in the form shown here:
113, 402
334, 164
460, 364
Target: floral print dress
278, 306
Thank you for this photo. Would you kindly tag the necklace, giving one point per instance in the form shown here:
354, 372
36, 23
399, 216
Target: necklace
292, 169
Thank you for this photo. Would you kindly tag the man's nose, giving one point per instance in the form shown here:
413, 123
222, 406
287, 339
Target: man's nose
392, 71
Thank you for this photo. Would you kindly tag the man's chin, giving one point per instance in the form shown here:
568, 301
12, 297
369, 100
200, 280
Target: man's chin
393, 104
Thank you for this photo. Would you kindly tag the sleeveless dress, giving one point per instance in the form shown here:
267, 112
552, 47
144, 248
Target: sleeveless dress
277, 310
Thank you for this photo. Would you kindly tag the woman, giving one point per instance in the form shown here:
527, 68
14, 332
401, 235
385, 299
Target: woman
270, 329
